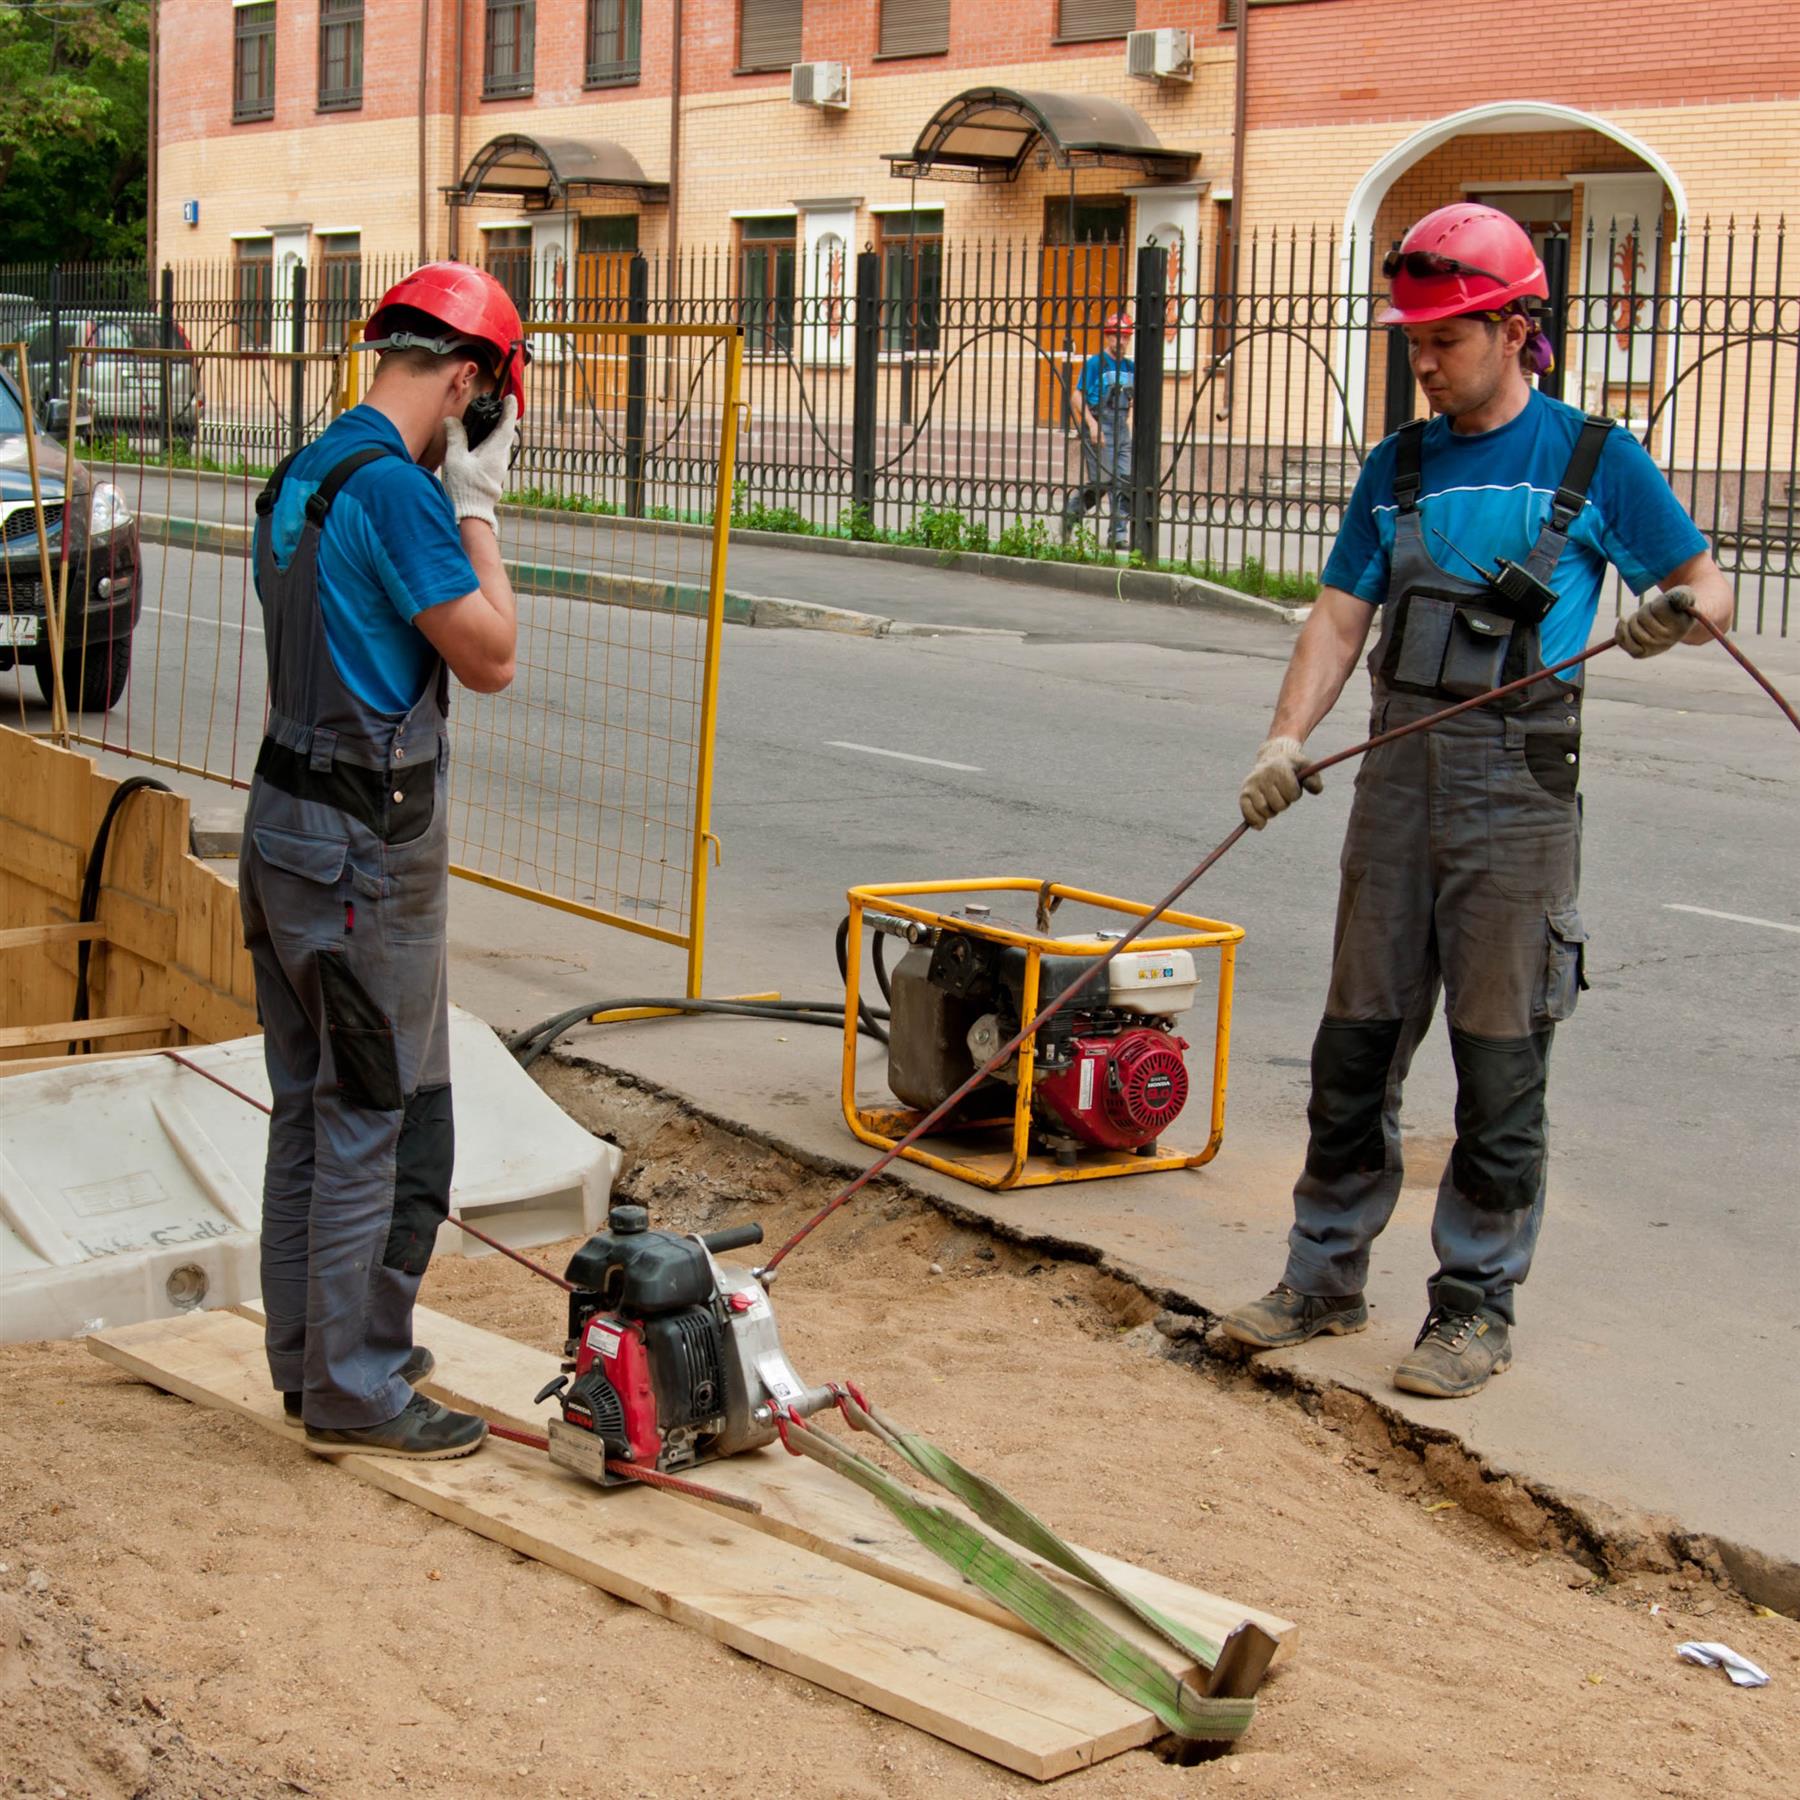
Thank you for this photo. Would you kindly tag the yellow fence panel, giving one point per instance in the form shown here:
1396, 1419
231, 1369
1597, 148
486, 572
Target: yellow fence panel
587, 784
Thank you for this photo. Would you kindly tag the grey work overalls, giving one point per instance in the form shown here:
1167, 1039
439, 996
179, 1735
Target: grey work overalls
1106, 466
1459, 872
343, 885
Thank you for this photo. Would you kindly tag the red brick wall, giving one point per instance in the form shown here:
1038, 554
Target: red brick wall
1405, 59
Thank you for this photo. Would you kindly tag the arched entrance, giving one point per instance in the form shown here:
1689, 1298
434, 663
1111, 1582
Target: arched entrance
1605, 208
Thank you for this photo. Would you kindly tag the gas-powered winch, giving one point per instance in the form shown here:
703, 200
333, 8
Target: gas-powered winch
672, 1357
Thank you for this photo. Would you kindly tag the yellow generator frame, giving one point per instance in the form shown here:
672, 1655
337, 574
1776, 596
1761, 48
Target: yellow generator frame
1015, 1165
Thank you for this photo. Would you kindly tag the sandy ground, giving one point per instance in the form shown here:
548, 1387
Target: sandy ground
190, 1606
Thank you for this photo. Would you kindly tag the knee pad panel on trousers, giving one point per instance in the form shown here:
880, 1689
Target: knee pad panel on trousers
424, 1158
1501, 1140
1351, 1059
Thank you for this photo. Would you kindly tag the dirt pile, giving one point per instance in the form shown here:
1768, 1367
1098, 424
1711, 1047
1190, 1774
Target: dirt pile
316, 1636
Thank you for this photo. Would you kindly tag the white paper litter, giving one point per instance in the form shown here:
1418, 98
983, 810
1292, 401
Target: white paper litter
1743, 1672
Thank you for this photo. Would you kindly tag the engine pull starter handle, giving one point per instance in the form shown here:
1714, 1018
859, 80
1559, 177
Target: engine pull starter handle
735, 1237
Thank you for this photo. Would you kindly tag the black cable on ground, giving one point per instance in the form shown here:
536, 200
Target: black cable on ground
528, 1045
90, 884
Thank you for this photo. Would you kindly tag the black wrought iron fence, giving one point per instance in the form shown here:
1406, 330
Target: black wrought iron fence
932, 392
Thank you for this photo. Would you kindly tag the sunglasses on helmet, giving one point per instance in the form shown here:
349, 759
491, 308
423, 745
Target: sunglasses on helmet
1422, 265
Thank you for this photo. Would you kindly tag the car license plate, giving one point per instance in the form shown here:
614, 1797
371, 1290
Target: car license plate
20, 632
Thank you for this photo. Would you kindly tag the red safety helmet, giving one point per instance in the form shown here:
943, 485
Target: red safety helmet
1461, 259
475, 307
1119, 322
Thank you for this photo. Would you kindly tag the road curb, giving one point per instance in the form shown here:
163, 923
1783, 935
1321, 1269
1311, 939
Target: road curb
683, 599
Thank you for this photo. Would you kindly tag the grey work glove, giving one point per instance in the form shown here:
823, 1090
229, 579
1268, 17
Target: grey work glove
1274, 783
1658, 624
475, 479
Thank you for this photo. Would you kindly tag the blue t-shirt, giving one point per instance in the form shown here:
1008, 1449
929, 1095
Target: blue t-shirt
390, 549
1488, 492
1106, 381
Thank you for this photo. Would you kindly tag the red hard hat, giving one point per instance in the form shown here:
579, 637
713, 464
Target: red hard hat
1120, 322
474, 306
1487, 262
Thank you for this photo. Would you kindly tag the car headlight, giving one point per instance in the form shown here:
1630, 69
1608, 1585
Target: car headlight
107, 510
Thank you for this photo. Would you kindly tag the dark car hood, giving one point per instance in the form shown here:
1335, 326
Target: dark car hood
15, 469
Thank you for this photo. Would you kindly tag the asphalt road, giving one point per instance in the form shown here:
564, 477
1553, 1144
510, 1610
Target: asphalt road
1657, 1336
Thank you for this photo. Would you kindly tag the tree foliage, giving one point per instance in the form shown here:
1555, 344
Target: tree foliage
74, 106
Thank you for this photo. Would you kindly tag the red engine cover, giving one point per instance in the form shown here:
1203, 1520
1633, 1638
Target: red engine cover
1118, 1092
618, 1346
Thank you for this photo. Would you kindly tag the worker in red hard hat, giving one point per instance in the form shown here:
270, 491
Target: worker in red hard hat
1100, 406
379, 579
1478, 542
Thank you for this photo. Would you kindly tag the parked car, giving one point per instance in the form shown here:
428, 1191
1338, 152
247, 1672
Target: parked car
118, 393
90, 526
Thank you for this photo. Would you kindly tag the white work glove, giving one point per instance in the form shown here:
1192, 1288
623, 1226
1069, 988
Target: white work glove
1274, 784
1658, 624
475, 479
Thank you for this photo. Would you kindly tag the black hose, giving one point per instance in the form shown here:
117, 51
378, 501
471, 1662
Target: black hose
868, 1016
878, 951
90, 884
528, 1045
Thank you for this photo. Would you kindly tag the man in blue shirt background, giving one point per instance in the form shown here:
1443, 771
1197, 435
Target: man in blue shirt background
1461, 860
1100, 405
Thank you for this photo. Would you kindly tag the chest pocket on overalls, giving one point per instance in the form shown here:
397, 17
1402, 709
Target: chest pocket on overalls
1450, 644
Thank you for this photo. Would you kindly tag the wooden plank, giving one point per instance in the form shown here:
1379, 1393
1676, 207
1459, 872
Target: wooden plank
479, 1371
73, 1031
41, 860
28, 1065
68, 931
208, 1016
1010, 1699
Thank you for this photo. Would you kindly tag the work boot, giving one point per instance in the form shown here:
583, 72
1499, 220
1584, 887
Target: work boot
422, 1431
418, 1365
1461, 1344
1283, 1316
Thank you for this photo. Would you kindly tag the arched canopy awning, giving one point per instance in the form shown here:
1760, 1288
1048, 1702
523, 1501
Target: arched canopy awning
986, 134
540, 174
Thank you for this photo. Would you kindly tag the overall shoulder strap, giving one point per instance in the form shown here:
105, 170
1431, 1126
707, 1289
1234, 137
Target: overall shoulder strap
319, 502
1584, 459
1409, 464
265, 501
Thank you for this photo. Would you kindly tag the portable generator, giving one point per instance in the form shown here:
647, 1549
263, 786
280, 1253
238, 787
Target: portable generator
672, 1357
1092, 1092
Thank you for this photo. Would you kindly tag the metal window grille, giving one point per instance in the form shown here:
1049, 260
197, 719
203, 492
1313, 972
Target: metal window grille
915, 27
912, 281
340, 55
254, 297
768, 34
605, 233
509, 262
613, 32
253, 64
510, 48
1076, 19
1228, 14
766, 271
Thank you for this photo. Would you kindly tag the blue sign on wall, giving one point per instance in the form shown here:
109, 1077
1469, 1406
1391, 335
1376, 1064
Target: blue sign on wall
190, 212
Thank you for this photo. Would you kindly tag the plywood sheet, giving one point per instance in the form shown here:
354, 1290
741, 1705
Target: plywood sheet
966, 1680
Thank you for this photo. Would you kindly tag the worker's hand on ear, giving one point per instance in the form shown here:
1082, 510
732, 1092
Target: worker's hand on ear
1274, 781
475, 479
1658, 624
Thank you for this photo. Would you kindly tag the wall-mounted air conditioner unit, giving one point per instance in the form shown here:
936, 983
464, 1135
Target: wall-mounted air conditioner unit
1166, 54
820, 84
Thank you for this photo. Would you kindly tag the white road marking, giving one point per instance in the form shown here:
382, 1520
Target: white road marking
1706, 912
937, 762
163, 612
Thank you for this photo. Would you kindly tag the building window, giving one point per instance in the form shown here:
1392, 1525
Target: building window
605, 234
340, 55
253, 77
912, 279
914, 27
255, 291
768, 35
340, 276
1079, 21
509, 262
509, 50
1090, 219
612, 42
766, 284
